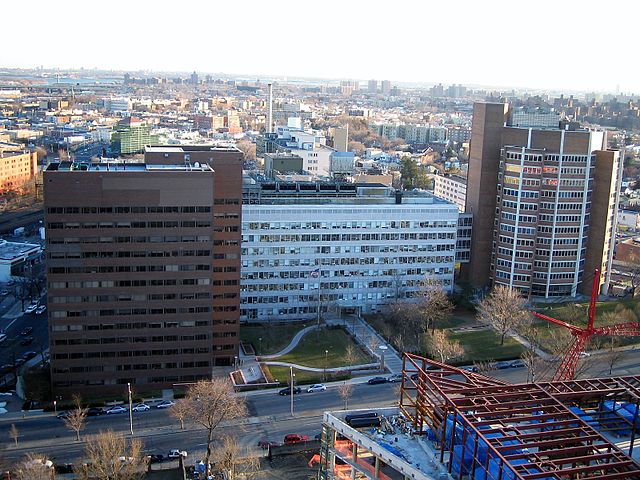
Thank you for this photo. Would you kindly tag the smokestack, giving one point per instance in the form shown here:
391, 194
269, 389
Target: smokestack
270, 116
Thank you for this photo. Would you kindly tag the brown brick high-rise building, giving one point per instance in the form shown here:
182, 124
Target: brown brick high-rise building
143, 269
543, 195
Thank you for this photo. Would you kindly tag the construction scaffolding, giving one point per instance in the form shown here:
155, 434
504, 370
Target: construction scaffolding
488, 429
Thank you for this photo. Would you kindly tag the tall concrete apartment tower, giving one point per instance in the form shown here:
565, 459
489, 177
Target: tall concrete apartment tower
543, 200
143, 269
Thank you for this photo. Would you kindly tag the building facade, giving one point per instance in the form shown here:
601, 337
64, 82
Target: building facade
451, 188
16, 168
311, 248
543, 201
143, 270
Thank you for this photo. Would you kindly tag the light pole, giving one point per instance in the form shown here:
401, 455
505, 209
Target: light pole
260, 351
324, 376
130, 409
383, 348
55, 406
292, 387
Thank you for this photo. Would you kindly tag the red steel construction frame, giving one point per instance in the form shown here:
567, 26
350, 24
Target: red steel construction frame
531, 430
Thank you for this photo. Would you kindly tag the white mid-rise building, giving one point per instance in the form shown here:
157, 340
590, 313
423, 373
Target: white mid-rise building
341, 247
451, 188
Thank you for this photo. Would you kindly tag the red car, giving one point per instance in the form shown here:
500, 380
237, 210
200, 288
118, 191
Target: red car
295, 438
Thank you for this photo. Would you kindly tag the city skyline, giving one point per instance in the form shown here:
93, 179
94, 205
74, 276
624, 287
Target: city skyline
486, 45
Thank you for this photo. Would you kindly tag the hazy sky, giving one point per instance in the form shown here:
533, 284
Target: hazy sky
567, 44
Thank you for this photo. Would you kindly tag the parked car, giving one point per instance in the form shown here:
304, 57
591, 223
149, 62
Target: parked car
26, 341
287, 391
141, 407
376, 380
155, 458
165, 404
318, 387
176, 453
518, 364
294, 438
26, 331
6, 368
41, 309
29, 355
64, 414
19, 362
265, 444
115, 410
95, 412
584, 354
31, 308
470, 368
396, 377
502, 365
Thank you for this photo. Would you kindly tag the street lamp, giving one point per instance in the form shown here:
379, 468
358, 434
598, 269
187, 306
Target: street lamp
324, 376
260, 351
292, 387
130, 409
55, 406
383, 348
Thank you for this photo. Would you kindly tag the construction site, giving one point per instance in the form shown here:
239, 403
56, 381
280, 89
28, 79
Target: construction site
453, 423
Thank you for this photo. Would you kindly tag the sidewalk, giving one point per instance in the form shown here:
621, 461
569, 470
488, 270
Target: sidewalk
371, 341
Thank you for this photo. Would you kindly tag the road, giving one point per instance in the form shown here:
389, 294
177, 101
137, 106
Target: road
269, 418
90, 150
12, 349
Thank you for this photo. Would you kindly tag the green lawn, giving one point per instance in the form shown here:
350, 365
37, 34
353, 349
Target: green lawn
274, 337
310, 352
485, 345
282, 374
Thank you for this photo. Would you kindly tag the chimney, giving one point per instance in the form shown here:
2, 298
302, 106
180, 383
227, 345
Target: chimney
270, 116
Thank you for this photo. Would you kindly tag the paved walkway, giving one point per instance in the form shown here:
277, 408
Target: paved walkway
371, 341
293, 344
364, 366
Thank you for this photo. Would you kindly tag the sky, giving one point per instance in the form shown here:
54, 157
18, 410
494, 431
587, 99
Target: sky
576, 45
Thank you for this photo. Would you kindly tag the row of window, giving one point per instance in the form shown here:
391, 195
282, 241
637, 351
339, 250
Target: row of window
357, 237
521, 230
368, 225
121, 312
136, 297
520, 193
137, 254
139, 269
135, 224
522, 218
135, 239
141, 283
136, 209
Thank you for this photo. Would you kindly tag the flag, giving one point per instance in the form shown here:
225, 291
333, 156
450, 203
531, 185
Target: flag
315, 273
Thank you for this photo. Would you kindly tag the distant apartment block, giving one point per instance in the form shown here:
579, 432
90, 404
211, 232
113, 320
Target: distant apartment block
131, 135
334, 246
543, 200
410, 133
143, 267
17, 167
372, 86
385, 87
451, 188
117, 104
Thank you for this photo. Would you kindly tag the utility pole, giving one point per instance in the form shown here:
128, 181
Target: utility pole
292, 375
130, 409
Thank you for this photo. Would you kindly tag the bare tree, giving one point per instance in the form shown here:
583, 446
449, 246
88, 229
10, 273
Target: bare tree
111, 457
21, 290
345, 391
77, 417
439, 345
248, 148
350, 355
434, 305
484, 366
14, 434
236, 463
503, 309
33, 467
613, 356
210, 403
180, 411
634, 270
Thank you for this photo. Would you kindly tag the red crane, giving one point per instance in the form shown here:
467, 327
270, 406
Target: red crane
567, 368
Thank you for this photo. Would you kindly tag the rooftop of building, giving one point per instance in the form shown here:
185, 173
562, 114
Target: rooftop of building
188, 148
13, 250
126, 167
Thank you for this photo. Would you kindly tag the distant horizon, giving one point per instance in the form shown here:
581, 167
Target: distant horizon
252, 77
572, 46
